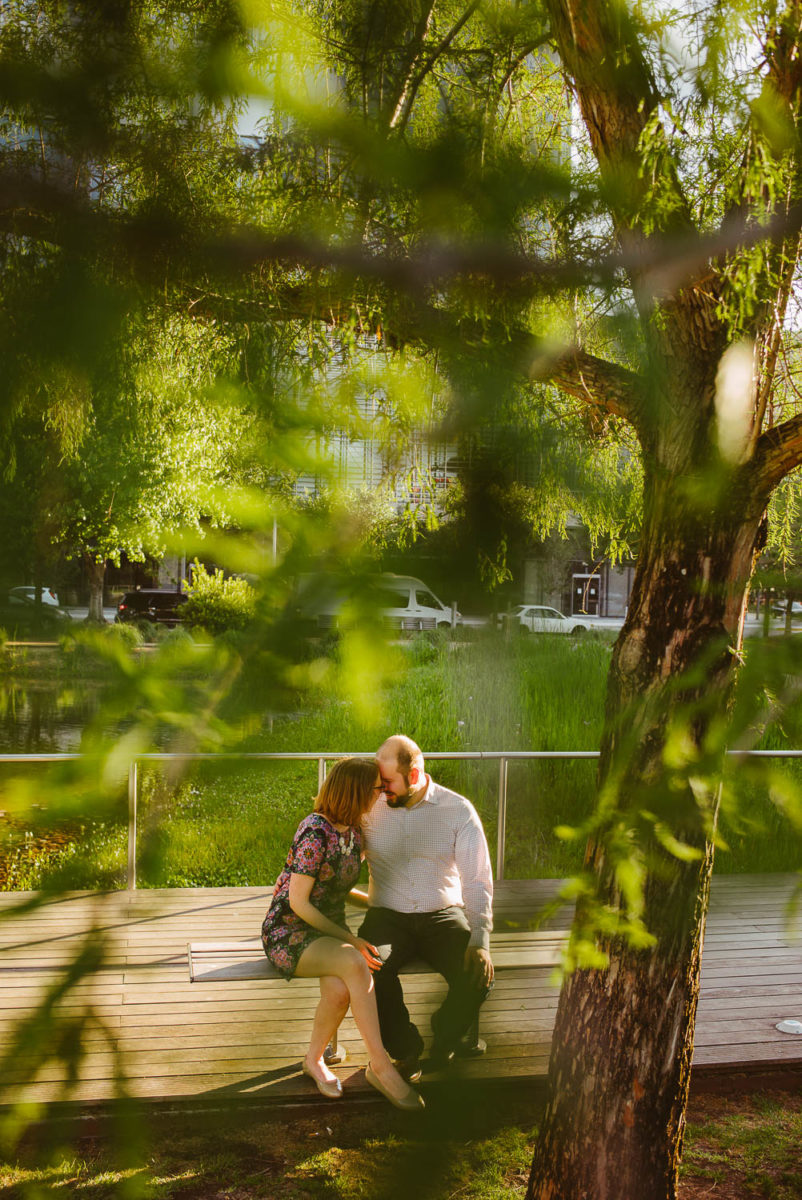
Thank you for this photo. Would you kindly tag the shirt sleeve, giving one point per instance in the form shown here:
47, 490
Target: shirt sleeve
308, 852
476, 875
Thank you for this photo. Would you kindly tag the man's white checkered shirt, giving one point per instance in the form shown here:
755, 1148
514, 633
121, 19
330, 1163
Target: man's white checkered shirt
430, 857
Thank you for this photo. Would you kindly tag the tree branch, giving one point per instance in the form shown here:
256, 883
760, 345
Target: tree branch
404, 107
664, 264
781, 97
775, 196
412, 59
601, 54
603, 385
778, 452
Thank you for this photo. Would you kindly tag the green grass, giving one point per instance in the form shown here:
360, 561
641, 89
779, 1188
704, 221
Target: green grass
746, 1147
367, 1153
231, 825
742, 1147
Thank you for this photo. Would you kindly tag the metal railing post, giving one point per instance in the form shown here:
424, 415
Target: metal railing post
503, 757
132, 780
501, 824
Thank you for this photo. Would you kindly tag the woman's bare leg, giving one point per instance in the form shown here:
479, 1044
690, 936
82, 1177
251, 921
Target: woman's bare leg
333, 1005
327, 956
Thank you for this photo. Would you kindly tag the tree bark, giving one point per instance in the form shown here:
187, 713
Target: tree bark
623, 1038
96, 573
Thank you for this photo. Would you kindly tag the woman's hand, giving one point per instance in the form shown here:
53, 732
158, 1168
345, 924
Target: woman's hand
369, 953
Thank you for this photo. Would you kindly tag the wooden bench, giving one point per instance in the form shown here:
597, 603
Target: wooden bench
226, 962
223, 962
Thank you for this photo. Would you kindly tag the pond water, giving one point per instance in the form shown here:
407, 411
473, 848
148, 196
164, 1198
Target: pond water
44, 716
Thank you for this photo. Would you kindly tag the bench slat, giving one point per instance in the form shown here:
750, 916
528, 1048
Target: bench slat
220, 962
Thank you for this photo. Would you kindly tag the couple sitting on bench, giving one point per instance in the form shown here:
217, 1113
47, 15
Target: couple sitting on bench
430, 897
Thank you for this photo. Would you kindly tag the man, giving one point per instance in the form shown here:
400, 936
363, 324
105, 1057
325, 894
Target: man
430, 897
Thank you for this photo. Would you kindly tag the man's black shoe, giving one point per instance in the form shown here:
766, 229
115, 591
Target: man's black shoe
409, 1068
471, 1049
440, 1056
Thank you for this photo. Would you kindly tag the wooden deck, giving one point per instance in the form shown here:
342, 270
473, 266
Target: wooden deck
245, 1039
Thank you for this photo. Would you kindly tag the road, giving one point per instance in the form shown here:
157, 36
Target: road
80, 614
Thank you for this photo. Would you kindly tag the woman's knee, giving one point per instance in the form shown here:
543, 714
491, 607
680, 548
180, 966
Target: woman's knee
356, 971
334, 991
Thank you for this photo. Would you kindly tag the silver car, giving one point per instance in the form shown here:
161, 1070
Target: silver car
27, 595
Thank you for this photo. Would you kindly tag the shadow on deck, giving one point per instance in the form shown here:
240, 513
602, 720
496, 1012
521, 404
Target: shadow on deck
244, 1040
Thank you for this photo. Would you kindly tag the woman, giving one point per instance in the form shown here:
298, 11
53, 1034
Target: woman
304, 933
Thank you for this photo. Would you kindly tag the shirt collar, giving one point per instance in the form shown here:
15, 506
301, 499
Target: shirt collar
428, 796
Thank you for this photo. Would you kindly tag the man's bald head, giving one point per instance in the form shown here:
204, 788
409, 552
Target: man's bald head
402, 752
402, 771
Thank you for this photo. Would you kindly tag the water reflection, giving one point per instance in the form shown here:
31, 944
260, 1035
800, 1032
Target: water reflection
44, 716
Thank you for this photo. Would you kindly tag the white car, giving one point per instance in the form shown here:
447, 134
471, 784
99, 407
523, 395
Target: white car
536, 618
27, 595
403, 601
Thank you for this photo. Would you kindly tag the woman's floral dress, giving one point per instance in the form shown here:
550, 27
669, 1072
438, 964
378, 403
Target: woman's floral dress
334, 859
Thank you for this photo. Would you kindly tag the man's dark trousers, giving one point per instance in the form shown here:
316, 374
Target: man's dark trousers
440, 939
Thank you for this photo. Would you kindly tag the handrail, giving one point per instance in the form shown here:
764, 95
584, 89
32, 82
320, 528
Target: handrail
503, 757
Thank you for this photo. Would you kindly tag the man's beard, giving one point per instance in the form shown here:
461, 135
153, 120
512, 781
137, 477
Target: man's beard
403, 800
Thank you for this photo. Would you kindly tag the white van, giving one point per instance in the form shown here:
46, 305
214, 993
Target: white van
404, 602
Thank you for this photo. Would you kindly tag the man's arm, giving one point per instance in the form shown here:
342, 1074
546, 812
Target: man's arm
357, 898
476, 874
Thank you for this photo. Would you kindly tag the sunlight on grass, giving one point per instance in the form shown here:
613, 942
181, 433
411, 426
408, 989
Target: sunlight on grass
229, 824
751, 1144
740, 1145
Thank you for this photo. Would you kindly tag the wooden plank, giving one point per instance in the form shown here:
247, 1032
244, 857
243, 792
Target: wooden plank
193, 1040
224, 961
767, 1051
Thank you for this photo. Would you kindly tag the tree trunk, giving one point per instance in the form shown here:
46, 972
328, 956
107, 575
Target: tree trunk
623, 1038
96, 573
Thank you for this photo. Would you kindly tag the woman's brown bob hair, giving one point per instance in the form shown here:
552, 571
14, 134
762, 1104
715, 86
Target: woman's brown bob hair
347, 790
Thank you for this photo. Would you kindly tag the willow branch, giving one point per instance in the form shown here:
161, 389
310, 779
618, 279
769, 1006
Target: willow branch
413, 58
601, 384
404, 108
777, 453
782, 96
601, 54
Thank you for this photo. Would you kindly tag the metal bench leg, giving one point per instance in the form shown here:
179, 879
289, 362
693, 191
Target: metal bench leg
334, 1052
470, 1044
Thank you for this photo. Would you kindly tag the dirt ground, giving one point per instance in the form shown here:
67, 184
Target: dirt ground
738, 1147
744, 1147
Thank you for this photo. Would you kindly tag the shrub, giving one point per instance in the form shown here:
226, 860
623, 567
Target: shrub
236, 640
175, 636
129, 635
422, 649
216, 603
148, 629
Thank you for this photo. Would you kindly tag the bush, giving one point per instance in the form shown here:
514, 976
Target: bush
129, 635
216, 603
148, 629
422, 649
175, 636
235, 639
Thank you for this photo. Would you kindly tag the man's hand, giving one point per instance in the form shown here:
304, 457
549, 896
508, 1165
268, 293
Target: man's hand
479, 966
369, 953
357, 898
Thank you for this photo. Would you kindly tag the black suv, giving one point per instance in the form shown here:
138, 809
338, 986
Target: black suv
151, 604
